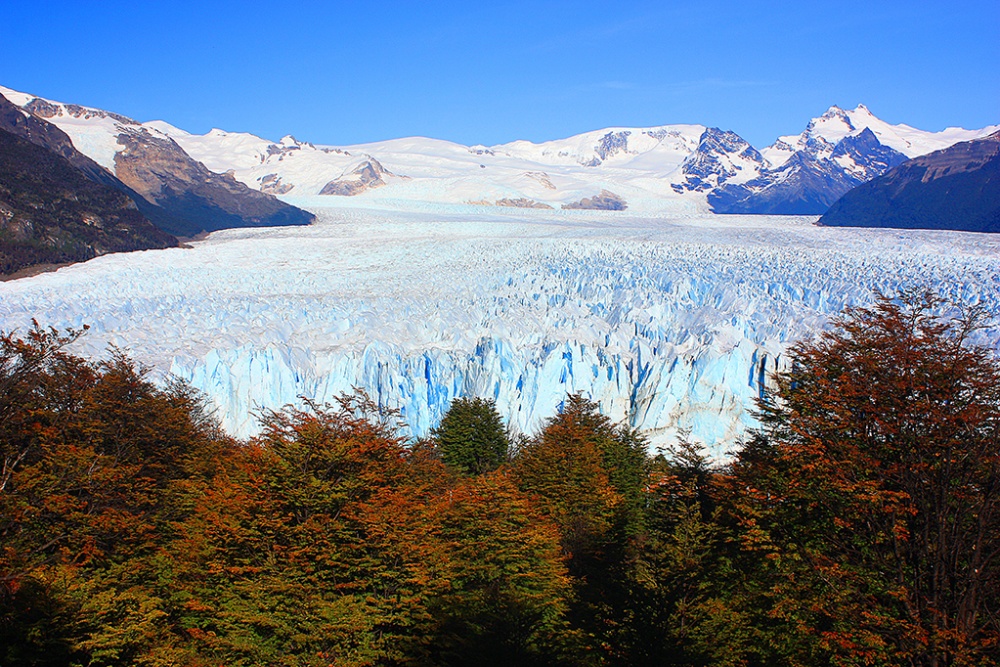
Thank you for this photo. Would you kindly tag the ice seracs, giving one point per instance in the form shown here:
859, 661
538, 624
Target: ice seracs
672, 322
411, 289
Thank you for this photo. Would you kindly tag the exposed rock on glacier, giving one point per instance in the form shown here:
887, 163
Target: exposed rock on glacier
520, 202
366, 176
605, 201
669, 323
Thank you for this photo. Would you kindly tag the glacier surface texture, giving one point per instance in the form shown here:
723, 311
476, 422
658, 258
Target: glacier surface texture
670, 322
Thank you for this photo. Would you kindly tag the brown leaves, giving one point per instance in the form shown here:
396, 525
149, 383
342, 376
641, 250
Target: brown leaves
881, 453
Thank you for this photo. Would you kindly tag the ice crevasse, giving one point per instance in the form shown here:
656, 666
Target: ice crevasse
671, 325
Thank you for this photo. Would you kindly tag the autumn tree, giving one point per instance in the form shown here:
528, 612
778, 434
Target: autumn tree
274, 563
495, 589
589, 475
90, 450
471, 437
37, 379
869, 502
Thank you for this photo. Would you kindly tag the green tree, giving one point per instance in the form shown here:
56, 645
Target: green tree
589, 475
680, 557
471, 437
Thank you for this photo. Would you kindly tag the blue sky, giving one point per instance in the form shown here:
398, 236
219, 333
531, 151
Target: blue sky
474, 72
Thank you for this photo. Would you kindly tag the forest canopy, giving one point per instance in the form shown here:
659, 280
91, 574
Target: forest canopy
859, 525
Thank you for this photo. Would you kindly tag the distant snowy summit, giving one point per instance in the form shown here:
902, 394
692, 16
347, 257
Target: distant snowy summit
643, 169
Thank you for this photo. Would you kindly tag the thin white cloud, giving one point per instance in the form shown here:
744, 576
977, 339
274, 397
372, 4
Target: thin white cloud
712, 83
603, 85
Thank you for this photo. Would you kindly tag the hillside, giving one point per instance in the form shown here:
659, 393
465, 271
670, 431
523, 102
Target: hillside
179, 194
51, 213
957, 188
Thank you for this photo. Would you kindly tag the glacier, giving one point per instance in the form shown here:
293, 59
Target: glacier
672, 322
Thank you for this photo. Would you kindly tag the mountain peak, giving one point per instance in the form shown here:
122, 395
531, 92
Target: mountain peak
954, 188
835, 112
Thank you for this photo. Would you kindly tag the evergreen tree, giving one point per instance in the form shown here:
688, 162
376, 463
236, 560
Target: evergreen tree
680, 559
471, 437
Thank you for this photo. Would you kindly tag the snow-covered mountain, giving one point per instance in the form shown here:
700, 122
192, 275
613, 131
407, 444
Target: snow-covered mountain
824, 133
688, 164
954, 188
807, 173
178, 194
649, 169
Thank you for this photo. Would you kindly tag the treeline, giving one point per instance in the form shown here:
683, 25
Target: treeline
859, 526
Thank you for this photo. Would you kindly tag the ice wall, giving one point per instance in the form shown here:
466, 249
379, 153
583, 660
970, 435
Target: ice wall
669, 323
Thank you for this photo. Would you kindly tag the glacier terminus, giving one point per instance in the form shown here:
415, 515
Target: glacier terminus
672, 322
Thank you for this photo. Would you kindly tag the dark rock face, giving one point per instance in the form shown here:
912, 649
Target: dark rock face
45, 109
801, 186
613, 143
271, 184
195, 199
808, 183
957, 188
179, 195
42, 133
606, 201
706, 168
51, 212
871, 156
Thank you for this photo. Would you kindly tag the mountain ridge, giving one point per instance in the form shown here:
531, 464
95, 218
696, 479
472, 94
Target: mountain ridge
955, 188
178, 193
52, 212
682, 165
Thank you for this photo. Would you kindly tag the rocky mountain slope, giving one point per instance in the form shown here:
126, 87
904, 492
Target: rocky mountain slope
804, 174
52, 213
955, 188
164, 175
811, 178
175, 191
